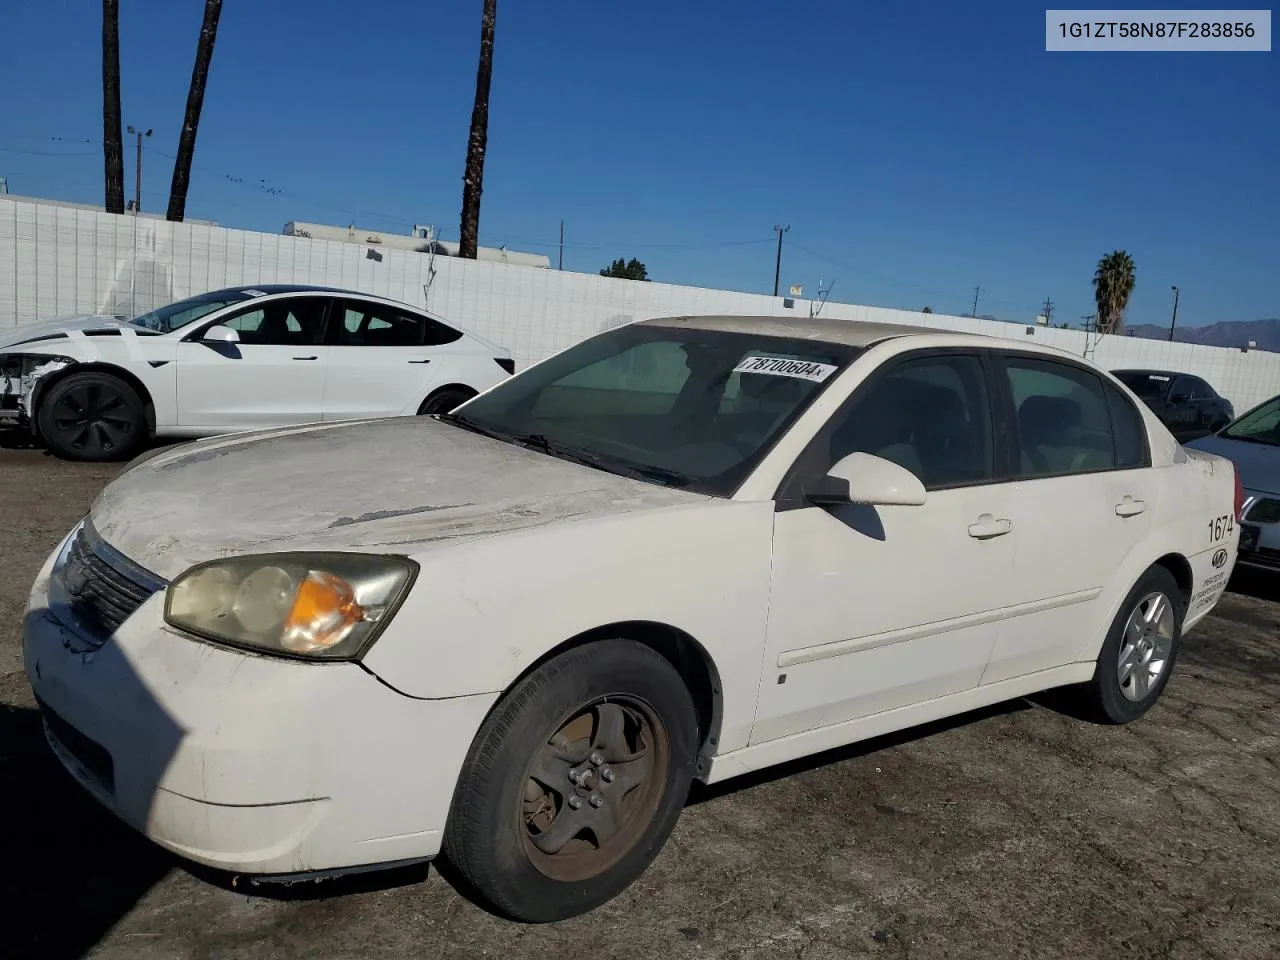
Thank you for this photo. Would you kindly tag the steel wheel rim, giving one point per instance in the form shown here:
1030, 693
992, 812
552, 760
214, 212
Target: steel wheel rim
92, 418
592, 790
1145, 646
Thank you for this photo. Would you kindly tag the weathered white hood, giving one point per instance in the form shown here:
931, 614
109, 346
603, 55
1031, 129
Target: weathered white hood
25, 332
398, 485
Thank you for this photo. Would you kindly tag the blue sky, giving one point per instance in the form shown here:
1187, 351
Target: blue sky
915, 149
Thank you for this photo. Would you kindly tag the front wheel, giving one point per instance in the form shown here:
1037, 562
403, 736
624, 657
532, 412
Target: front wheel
92, 416
574, 782
1138, 655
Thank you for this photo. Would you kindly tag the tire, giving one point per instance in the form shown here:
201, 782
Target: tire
1117, 695
92, 416
444, 401
502, 836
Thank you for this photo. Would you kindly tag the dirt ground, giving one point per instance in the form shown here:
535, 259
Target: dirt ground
1015, 832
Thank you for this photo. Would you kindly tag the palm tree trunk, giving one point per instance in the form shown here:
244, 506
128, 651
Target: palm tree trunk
112, 148
195, 101
473, 178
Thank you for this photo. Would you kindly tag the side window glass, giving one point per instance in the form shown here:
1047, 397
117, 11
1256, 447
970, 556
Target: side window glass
281, 323
1064, 425
1200, 390
1130, 431
372, 325
929, 415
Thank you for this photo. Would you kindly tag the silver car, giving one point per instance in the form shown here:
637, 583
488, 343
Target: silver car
1252, 442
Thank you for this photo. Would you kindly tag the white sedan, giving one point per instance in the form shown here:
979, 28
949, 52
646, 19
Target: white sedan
96, 387
684, 549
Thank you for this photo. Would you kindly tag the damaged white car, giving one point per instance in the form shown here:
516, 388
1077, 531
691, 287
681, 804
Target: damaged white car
685, 548
244, 358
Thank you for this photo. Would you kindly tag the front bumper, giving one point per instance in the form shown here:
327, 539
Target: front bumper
240, 762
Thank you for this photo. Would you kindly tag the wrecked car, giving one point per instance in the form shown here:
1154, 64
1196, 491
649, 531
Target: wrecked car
686, 548
98, 387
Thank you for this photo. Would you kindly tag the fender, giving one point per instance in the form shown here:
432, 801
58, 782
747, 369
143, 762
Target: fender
483, 612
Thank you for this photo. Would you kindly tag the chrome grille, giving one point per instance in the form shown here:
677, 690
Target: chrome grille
99, 594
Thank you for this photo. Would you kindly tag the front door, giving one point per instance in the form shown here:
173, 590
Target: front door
274, 375
873, 608
1084, 502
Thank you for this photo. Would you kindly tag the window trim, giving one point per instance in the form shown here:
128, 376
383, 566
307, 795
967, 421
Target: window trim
789, 494
257, 303
1000, 360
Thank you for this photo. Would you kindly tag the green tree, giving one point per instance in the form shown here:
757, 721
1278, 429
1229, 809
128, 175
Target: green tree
195, 103
626, 270
927, 310
1113, 283
478, 140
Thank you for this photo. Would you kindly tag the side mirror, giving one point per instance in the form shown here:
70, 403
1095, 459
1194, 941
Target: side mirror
220, 334
863, 478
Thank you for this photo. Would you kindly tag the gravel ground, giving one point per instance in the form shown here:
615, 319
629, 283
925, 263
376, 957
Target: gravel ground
1013, 832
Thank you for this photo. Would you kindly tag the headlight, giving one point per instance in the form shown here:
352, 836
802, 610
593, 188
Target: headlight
327, 606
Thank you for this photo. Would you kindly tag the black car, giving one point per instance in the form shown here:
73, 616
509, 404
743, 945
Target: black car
1188, 406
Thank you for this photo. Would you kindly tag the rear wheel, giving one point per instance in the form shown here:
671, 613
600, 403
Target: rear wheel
575, 781
444, 401
92, 416
1138, 654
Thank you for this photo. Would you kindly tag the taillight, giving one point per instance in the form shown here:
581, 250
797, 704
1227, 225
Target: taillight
506, 363
1239, 493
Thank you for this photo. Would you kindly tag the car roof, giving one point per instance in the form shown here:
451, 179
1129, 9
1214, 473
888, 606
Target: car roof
274, 288
853, 333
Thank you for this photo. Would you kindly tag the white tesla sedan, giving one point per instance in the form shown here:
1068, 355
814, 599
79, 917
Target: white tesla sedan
96, 387
685, 548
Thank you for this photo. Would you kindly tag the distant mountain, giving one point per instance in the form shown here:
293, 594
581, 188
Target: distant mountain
1265, 333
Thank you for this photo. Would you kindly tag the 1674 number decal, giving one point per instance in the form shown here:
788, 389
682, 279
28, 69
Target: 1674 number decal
1221, 527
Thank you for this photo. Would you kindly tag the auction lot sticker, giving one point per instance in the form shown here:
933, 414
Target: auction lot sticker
780, 367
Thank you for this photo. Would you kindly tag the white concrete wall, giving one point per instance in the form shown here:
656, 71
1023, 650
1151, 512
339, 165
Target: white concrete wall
58, 260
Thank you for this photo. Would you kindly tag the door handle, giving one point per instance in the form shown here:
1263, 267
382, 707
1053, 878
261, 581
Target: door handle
1129, 507
304, 358
419, 361
987, 526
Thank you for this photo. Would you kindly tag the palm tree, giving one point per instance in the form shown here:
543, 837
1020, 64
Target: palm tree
473, 177
1112, 285
195, 101
112, 148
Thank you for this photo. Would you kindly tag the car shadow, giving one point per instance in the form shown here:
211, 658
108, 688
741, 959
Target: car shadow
71, 869
1259, 584
17, 438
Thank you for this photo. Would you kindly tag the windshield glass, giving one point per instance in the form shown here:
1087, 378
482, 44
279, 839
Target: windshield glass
174, 315
689, 408
1148, 386
1260, 425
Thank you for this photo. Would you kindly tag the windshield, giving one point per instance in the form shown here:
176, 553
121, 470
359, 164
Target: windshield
174, 315
689, 408
1259, 425
1148, 386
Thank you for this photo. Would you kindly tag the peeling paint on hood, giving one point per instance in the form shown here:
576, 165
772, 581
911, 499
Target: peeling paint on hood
26, 332
399, 485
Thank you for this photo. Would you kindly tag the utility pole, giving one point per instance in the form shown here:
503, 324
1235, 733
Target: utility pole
1174, 321
137, 186
1048, 312
777, 263
974, 312
561, 244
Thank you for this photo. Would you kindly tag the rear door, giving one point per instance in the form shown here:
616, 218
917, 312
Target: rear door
274, 375
1085, 499
382, 359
